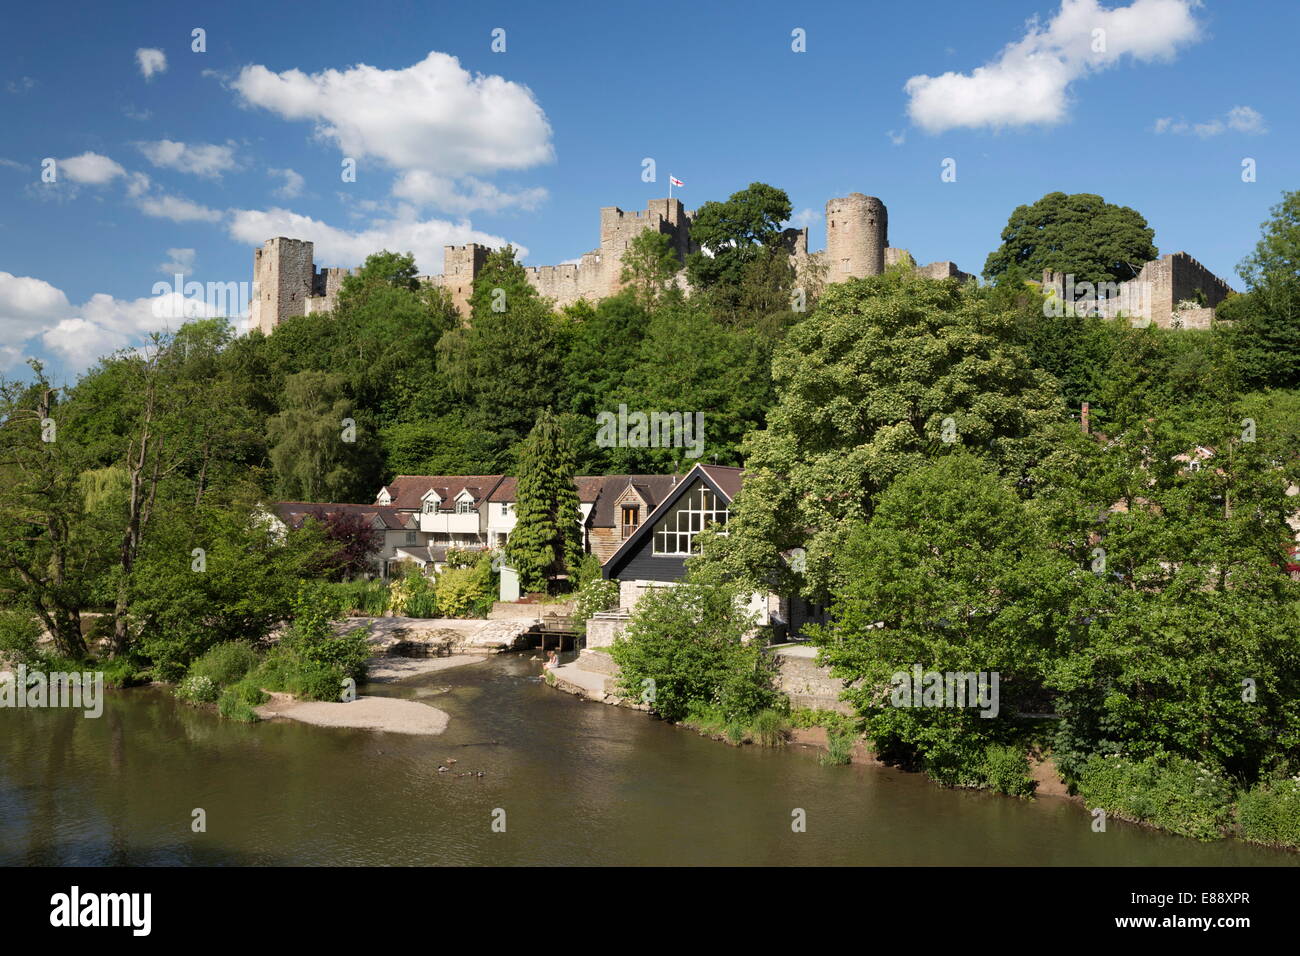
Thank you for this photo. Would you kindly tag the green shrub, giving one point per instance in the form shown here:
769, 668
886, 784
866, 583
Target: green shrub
705, 717
466, 591
197, 690
365, 597
1175, 794
313, 680
839, 747
593, 597
770, 727
276, 669
587, 572
234, 707
311, 639
249, 692
413, 595
19, 632
1006, 770
1270, 813
688, 640
225, 664
123, 672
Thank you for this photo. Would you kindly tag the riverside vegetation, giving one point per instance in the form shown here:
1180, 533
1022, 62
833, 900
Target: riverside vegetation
915, 438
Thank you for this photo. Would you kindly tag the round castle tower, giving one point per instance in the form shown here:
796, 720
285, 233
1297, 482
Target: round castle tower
857, 234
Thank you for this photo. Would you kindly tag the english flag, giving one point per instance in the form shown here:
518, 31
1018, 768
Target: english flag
675, 181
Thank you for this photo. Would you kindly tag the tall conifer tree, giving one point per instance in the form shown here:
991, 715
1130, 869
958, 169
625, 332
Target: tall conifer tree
546, 542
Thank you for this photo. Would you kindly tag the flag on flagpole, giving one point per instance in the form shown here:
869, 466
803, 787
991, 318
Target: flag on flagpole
675, 181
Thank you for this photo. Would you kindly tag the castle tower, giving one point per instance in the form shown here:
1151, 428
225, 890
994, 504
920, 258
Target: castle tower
857, 233
283, 274
460, 266
619, 228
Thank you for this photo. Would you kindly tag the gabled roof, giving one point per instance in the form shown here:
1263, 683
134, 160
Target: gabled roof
408, 491
385, 517
588, 486
652, 489
725, 482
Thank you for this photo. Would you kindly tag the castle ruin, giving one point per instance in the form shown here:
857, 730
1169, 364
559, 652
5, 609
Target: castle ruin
286, 282
1174, 291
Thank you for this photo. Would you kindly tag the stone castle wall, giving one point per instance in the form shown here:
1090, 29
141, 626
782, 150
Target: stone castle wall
1155, 293
857, 244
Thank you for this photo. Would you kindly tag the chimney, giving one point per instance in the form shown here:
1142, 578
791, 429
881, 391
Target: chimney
1083, 417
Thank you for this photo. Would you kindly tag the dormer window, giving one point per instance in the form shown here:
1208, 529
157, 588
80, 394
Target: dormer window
430, 506
631, 519
465, 507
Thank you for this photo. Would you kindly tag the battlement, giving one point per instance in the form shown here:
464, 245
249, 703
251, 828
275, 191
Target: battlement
286, 282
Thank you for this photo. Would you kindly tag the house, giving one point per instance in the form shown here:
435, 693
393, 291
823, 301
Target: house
501, 515
397, 532
450, 510
652, 552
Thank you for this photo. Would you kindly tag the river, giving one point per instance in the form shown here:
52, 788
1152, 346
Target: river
574, 783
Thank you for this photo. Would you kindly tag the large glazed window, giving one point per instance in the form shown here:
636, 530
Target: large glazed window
675, 533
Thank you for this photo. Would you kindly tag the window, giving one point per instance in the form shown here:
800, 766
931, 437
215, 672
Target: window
412, 537
464, 507
631, 518
507, 509
698, 509
430, 506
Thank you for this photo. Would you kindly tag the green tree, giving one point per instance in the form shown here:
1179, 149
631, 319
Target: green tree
690, 364
1079, 234
1265, 322
507, 366
684, 647
649, 267
952, 573
50, 553
319, 451
887, 372
546, 541
731, 234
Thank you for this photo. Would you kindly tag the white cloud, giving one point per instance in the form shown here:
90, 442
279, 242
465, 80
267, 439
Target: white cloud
200, 159
1240, 119
179, 261
90, 169
9, 163
292, 185
334, 246
1029, 82
151, 61
433, 117
31, 309
464, 195
27, 305
20, 85
176, 209
805, 218
897, 139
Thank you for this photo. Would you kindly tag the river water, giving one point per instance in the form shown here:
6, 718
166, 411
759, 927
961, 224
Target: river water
574, 783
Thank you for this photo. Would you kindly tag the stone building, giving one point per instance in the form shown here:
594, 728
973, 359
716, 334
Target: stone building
1174, 291
286, 282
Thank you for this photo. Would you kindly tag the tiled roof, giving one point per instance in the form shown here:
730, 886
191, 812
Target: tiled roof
293, 513
408, 491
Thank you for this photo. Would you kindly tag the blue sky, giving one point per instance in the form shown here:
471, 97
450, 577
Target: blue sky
165, 155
